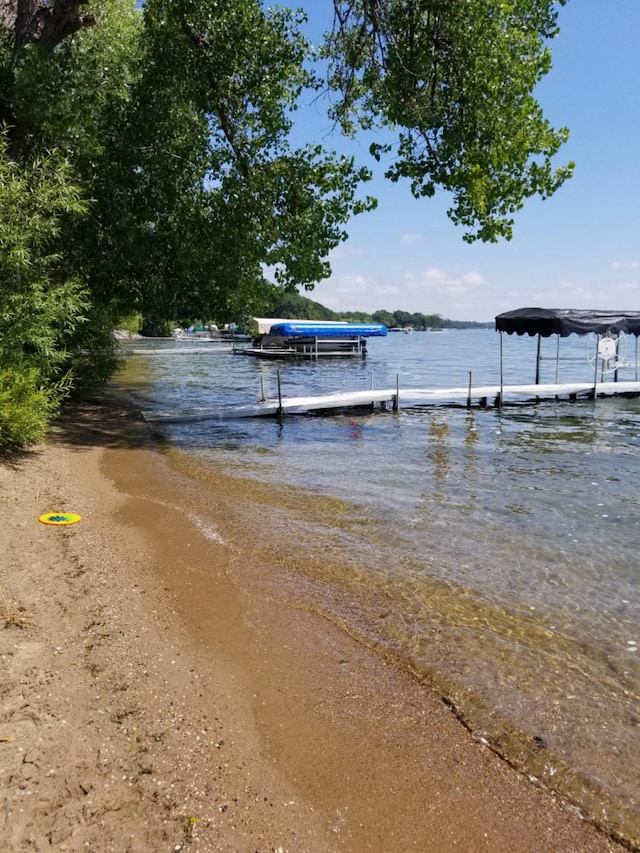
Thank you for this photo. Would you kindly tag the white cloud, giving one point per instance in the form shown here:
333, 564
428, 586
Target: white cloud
432, 289
631, 265
344, 293
386, 291
436, 281
355, 283
410, 239
342, 253
581, 293
429, 274
473, 278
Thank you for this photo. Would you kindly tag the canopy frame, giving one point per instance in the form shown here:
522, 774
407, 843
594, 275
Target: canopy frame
563, 322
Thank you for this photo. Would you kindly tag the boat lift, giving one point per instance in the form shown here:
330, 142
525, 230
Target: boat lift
605, 341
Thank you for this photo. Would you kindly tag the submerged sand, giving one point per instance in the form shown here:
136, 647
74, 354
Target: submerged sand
160, 691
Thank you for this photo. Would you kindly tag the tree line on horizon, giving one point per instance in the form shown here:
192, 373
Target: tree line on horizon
297, 307
148, 166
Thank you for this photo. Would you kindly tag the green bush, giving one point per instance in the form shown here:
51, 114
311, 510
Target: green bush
26, 408
42, 303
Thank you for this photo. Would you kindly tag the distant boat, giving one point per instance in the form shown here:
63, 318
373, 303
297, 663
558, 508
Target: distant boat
311, 339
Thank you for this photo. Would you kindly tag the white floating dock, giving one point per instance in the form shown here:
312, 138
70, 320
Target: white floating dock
391, 398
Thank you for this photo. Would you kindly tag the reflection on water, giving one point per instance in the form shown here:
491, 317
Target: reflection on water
500, 548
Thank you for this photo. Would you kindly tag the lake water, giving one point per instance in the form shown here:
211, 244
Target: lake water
495, 553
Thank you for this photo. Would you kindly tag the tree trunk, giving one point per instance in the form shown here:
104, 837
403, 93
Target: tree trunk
43, 22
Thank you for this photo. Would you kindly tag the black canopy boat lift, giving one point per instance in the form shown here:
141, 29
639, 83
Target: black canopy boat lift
605, 351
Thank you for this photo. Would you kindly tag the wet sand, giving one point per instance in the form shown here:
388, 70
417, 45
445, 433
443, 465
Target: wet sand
164, 688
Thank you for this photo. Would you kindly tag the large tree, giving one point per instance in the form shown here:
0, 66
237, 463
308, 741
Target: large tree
43, 22
220, 192
177, 119
455, 80
172, 119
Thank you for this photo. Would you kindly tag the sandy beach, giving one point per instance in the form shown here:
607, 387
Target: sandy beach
163, 689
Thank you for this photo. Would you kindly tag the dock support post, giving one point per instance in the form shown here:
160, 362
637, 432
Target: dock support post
396, 400
636, 358
469, 394
279, 412
262, 397
558, 361
595, 372
501, 372
538, 360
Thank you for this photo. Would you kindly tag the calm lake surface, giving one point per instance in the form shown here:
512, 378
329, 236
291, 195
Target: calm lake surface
504, 545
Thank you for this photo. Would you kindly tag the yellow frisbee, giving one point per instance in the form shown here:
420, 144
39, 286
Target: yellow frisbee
59, 518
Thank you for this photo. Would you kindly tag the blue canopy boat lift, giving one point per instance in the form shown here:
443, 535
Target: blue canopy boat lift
311, 338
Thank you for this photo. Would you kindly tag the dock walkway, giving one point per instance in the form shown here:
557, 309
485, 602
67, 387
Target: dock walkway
396, 398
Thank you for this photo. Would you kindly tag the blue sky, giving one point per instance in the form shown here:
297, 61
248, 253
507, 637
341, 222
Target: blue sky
578, 249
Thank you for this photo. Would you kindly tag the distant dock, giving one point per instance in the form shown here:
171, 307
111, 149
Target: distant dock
179, 350
182, 346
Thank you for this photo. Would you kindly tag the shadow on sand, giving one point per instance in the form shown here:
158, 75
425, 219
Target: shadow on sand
102, 420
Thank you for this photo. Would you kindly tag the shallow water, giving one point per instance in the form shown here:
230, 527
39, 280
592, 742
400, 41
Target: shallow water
503, 545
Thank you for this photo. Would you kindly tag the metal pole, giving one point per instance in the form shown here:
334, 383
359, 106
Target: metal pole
262, 397
615, 372
501, 372
279, 412
558, 360
595, 373
396, 402
469, 394
636, 359
538, 361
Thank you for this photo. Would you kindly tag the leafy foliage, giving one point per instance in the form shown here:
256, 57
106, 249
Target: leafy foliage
296, 307
455, 80
26, 408
42, 303
177, 119
173, 121
214, 174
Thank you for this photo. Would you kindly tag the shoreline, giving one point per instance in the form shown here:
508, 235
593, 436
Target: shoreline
157, 695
